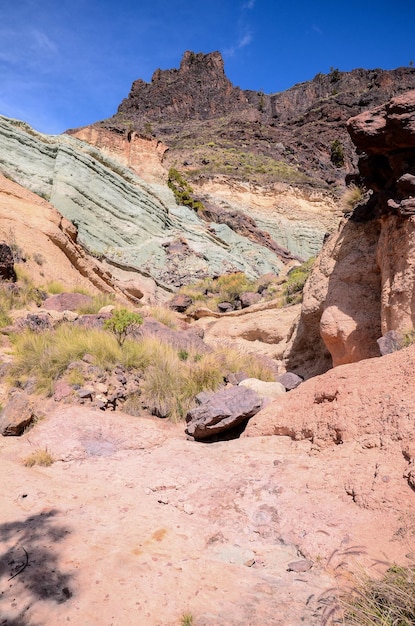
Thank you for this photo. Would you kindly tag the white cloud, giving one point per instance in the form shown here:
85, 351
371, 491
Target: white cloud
249, 5
243, 41
42, 43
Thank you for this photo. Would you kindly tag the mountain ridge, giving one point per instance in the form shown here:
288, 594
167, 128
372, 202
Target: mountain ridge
297, 127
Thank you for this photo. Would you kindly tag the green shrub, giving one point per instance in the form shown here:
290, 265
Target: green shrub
122, 323
337, 153
293, 288
182, 190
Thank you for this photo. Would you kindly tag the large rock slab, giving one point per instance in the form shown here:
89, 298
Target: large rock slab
372, 401
221, 412
362, 286
17, 415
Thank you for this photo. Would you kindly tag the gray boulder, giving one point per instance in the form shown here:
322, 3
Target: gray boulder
222, 412
290, 380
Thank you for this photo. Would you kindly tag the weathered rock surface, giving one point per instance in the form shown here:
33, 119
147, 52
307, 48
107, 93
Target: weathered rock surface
221, 412
362, 285
372, 401
17, 415
131, 510
264, 328
134, 223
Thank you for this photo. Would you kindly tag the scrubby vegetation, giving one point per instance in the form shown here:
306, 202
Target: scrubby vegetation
183, 192
337, 153
168, 384
351, 198
41, 456
293, 289
15, 296
389, 601
212, 291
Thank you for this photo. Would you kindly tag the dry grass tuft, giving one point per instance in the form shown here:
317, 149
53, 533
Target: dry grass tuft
41, 456
163, 315
389, 601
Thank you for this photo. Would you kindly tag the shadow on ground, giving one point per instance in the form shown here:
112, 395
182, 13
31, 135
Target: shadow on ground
29, 566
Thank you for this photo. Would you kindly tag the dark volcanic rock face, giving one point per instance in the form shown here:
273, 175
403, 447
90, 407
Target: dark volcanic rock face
199, 90
202, 117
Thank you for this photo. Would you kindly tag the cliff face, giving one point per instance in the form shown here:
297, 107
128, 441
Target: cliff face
200, 116
136, 225
363, 284
198, 90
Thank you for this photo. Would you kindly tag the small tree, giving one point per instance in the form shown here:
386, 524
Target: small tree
337, 153
122, 323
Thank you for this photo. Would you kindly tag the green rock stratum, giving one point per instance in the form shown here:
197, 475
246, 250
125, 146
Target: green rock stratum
134, 223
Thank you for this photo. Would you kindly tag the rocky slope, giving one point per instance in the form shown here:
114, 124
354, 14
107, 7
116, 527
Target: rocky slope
211, 126
136, 225
363, 282
46, 242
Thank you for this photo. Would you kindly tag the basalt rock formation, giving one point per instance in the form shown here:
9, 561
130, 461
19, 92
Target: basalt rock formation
363, 283
296, 135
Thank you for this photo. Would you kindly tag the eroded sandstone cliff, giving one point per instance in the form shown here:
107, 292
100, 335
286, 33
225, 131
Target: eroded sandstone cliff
363, 282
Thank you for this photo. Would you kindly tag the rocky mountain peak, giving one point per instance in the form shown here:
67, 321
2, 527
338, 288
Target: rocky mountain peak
198, 90
212, 127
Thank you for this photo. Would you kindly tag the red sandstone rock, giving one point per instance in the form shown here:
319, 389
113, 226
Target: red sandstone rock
372, 401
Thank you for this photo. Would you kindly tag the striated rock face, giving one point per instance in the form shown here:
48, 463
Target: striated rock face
134, 224
363, 283
141, 154
48, 241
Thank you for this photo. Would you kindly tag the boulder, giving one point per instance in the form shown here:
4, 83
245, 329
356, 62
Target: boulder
249, 298
372, 401
7, 263
66, 301
222, 412
17, 415
389, 342
268, 390
290, 380
180, 302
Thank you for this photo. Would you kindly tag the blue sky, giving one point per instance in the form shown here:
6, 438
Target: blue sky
67, 63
